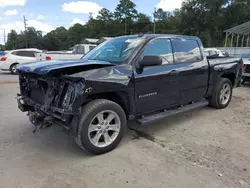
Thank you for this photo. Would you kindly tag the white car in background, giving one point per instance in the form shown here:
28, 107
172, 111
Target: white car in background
77, 52
9, 61
214, 52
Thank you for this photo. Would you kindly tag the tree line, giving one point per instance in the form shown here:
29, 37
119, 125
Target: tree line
206, 19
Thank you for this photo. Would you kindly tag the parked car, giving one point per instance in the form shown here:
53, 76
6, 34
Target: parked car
141, 77
225, 54
2, 53
214, 52
246, 68
9, 61
77, 52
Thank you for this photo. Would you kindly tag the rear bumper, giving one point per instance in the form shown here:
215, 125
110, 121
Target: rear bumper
244, 75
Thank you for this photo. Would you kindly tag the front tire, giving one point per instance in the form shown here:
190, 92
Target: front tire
222, 94
101, 126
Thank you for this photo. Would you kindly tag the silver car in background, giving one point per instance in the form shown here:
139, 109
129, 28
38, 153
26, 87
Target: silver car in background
246, 67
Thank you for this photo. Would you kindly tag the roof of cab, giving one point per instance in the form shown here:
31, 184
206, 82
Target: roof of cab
158, 35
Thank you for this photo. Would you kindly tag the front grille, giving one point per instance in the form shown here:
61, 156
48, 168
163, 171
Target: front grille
247, 68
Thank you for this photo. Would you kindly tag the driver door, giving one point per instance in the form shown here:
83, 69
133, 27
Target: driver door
156, 87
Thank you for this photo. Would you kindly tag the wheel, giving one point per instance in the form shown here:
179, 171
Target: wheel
13, 68
101, 126
222, 95
243, 81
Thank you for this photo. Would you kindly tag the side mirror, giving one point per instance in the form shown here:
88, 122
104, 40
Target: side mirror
150, 60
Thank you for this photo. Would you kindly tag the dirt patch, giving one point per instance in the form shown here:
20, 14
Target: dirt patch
8, 82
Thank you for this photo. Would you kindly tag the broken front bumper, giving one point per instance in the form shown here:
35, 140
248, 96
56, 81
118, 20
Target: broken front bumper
57, 98
26, 105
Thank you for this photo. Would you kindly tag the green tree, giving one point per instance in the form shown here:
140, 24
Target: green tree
206, 19
125, 12
142, 24
160, 15
32, 38
104, 15
12, 41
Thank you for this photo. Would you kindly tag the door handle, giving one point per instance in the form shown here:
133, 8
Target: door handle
173, 72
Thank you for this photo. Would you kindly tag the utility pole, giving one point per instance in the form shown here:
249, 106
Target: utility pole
25, 30
25, 23
154, 20
4, 35
90, 15
125, 29
125, 21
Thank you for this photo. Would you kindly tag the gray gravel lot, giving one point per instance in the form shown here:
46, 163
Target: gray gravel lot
205, 148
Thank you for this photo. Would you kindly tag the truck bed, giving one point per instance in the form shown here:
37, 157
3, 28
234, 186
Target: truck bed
223, 60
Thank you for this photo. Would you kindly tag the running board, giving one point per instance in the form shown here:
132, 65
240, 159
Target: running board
152, 118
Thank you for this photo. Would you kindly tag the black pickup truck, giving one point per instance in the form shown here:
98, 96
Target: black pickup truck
142, 77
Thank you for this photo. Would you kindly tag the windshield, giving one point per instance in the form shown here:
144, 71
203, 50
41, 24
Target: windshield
115, 51
245, 55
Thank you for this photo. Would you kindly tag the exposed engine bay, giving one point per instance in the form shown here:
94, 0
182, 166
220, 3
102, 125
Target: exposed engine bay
50, 99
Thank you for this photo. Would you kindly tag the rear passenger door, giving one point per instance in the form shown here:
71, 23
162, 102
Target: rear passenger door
193, 70
25, 56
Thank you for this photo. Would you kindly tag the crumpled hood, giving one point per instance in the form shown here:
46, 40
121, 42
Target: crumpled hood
65, 66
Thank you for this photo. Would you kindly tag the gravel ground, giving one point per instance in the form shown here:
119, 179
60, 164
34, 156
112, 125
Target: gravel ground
205, 148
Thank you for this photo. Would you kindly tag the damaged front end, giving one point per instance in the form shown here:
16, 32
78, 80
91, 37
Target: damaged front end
50, 99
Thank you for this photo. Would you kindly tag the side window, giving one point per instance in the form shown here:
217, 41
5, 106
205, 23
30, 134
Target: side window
186, 51
25, 53
30, 54
213, 53
18, 53
91, 48
14, 53
80, 50
160, 47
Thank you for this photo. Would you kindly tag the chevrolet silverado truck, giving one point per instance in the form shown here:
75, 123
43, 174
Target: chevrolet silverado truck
141, 77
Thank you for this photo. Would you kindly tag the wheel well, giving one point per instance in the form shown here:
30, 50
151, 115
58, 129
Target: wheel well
120, 98
230, 76
13, 64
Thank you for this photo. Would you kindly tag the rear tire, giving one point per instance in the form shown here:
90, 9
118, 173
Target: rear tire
13, 68
222, 94
101, 126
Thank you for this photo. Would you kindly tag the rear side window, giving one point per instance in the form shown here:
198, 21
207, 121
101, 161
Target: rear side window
212, 53
91, 48
160, 47
24, 53
186, 51
80, 50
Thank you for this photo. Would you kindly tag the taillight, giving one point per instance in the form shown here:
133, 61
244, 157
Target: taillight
243, 68
48, 58
3, 58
